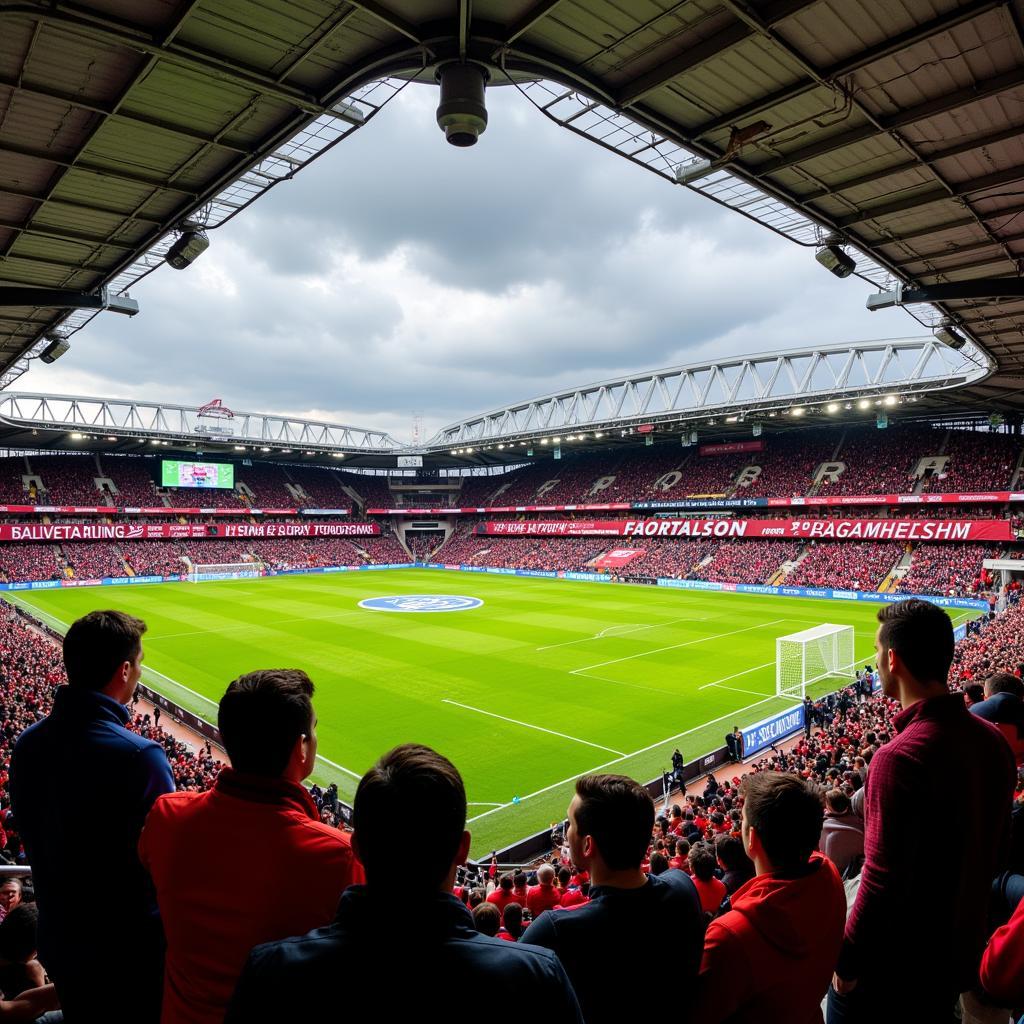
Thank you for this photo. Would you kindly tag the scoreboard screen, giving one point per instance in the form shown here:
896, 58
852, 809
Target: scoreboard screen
197, 474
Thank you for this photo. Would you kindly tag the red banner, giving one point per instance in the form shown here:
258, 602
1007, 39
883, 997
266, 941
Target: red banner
804, 529
732, 446
156, 510
618, 557
59, 532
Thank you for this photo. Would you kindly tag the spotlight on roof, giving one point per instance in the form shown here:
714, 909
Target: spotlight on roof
693, 170
462, 113
191, 244
835, 260
864, 404
56, 347
832, 407
948, 335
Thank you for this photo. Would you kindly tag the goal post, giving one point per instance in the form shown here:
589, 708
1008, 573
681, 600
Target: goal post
206, 572
811, 655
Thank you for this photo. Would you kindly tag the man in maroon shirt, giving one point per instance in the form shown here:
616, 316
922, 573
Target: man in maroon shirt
917, 929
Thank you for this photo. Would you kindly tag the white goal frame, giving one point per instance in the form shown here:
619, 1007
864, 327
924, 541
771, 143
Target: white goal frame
207, 572
811, 655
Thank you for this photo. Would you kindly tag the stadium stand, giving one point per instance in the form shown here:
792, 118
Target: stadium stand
952, 569
747, 561
852, 565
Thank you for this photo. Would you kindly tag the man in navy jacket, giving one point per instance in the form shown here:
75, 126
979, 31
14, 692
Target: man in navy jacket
402, 946
81, 786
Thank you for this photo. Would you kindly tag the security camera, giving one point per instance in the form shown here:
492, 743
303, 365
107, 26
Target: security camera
462, 114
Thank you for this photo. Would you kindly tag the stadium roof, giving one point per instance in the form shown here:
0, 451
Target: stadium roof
896, 127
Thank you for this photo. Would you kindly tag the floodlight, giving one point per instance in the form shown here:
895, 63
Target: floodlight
191, 244
832, 407
835, 260
77, 437
692, 171
57, 346
462, 114
950, 337
863, 404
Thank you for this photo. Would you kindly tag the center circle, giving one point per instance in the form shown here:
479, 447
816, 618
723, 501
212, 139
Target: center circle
421, 603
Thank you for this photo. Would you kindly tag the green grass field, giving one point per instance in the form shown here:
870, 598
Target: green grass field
546, 680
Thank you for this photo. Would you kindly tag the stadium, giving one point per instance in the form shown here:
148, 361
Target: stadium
675, 574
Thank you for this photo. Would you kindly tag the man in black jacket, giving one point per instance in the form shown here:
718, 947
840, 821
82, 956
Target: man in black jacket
402, 945
600, 943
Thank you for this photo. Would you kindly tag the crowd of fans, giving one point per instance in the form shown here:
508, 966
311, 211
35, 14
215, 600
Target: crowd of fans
748, 561
852, 565
951, 569
742, 877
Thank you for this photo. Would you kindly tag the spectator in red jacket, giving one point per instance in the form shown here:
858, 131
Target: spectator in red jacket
257, 827
1002, 966
504, 894
916, 932
770, 957
710, 889
543, 896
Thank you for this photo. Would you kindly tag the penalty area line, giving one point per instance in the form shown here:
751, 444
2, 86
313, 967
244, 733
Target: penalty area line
624, 757
725, 679
674, 647
605, 635
530, 725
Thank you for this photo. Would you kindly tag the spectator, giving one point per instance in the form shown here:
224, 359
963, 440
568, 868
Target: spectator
1002, 966
19, 968
445, 964
210, 915
543, 896
610, 823
487, 919
923, 902
1004, 708
770, 956
504, 894
842, 833
710, 889
737, 867
512, 923
84, 737
10, 897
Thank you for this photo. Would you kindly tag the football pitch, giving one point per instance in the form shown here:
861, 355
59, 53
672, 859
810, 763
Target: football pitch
541, 682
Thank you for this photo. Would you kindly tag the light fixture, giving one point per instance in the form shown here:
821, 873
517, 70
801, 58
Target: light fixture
949, 336
462, 113
286, 451
599, 434
455, 451
111, 438
155, 440
693, 170
863, 404
832, 407
337, 455
835, 260
241, 448
890, 400
555, 440
797, 410
76, 436
468, 450
311, 453
500, 447
57, 346
543, 440
191, 244
264, 448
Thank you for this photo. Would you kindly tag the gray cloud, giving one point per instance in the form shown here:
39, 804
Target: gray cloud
398, 274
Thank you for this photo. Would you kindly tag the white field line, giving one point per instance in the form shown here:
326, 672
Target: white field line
188, 689
605, 635
736, 675
482, 803
624, 757
673, 647
529, 725
736, 689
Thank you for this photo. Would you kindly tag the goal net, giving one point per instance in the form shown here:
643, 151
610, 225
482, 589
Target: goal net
205, 572
812, 655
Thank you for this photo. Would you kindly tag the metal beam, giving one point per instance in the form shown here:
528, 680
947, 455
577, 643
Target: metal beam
50, 298
109, 110
940, 105
703, 51
935, 195
390, 18
20, 193
529, 19
963, 268
926, 160
887, 48
66, 235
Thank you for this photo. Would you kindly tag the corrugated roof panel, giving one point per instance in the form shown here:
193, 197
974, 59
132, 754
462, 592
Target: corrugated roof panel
135, 148
65, 61
45, 125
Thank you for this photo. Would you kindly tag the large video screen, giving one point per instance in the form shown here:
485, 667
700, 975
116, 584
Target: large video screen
197, 474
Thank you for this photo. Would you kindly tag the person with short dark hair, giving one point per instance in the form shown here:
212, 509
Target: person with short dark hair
511, 923
503, 895
770, 956
710, 889
737, 867
487, 919
442, 963
256, 827
923, 903
85, 737
610, 823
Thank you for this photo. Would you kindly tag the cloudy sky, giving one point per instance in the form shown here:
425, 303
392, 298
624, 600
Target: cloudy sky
399, 276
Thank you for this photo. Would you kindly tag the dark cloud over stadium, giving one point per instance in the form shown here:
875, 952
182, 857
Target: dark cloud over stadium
399, 275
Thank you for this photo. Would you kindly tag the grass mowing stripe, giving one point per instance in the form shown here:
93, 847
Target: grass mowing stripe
528, 725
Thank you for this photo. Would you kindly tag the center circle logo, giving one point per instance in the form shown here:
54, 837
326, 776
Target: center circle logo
421, 603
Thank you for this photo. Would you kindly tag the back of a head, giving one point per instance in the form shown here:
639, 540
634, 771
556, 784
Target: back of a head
702, 861
786, 812
410, 776
18, 933
506, 883
98, 644
619, 814
1003, 682
545, 874
921, 634
487, 918
262, 715
837, 801
513, 918
730, 852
